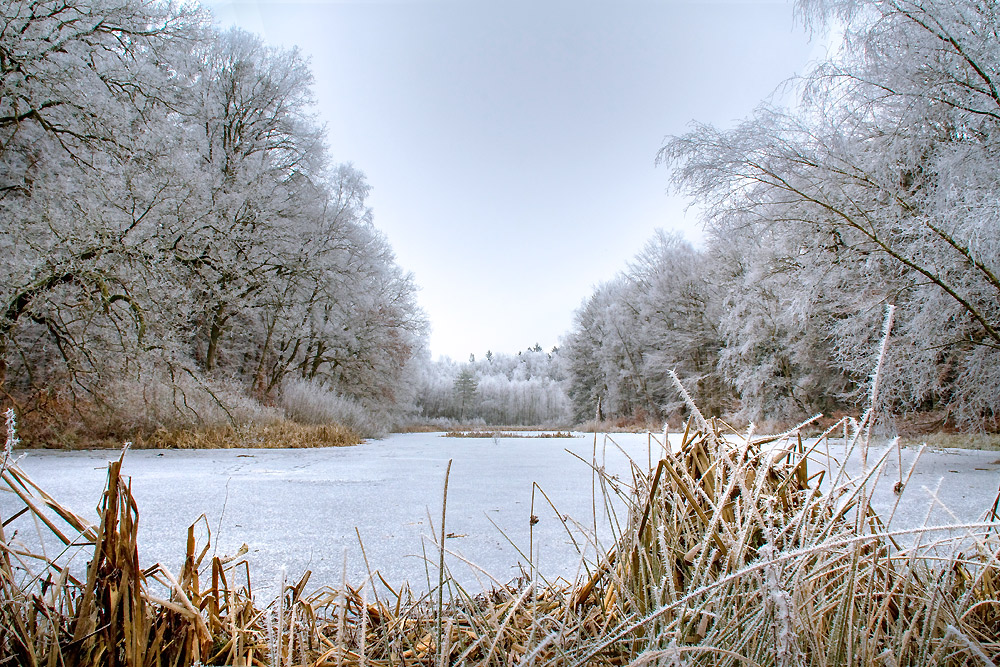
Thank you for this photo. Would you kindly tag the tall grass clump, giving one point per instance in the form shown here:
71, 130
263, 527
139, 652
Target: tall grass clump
310, 402
738, 553
193, 413
160, 404
170, 407
157, 401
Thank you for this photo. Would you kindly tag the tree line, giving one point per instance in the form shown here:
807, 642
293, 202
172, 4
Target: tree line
523, 389
178, 244
879, 186
176, 237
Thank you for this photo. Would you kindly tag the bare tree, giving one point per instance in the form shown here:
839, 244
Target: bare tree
80, 88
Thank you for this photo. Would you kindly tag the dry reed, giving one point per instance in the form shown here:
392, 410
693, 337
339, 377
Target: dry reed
281, 434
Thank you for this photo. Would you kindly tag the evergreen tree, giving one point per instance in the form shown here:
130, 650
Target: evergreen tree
466, 385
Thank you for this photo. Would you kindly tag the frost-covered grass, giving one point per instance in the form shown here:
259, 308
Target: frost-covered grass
739, 558
159, 402
186, 412
310, 402
278, 434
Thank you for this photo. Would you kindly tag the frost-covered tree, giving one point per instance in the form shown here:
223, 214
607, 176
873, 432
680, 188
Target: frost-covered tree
169, 217
523, 389
881, 187
80, 73
86, 178
586, 358
775, 314
659, 315
259, 156
466, 386
672, 292
340, 311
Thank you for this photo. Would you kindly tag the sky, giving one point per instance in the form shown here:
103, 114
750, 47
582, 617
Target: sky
511, 145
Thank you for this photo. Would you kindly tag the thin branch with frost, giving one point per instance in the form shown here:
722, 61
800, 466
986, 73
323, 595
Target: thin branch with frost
699, 418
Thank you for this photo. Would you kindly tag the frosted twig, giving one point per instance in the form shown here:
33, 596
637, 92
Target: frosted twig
12, 439
274, 622
876, 375
973, 646
781, 603
700, 418
876, 378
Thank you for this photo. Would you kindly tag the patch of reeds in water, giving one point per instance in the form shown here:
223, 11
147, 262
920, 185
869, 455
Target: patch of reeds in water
281, 434
736, 551
510, 434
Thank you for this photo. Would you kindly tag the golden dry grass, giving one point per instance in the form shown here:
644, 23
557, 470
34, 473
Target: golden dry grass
274, 435
277, 434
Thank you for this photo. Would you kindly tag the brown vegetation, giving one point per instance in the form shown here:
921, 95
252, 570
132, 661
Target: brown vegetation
56, 423
277, 434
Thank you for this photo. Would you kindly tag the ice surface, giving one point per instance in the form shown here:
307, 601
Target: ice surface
298, 509
942, 487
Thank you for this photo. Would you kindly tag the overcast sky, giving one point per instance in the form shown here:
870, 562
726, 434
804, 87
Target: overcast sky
511, 145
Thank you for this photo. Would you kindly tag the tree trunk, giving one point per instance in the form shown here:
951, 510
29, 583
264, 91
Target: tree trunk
215, 335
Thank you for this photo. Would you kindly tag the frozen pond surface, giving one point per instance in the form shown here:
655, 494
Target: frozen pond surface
298, 509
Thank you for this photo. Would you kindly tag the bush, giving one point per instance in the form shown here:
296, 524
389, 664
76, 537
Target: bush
158, 402
135, 407
309, 402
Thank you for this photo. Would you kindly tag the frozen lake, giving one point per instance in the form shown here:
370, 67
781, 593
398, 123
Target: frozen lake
303, 509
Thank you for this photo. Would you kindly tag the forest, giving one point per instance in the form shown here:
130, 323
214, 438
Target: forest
178, 243
180, 248
879, 187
